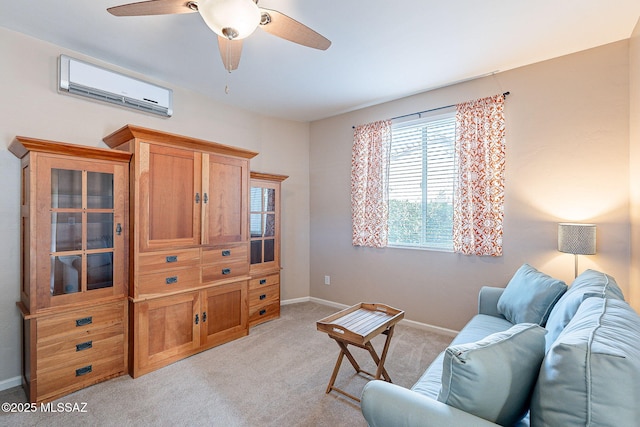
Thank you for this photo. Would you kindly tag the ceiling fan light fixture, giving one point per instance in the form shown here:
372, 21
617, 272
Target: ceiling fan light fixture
232, 19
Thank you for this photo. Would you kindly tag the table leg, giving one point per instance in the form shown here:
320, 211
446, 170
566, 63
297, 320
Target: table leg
378, 360
381, 369
346, 352
335, 371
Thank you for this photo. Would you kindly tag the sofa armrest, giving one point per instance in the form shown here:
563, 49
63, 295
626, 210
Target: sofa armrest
384, 404
488, 301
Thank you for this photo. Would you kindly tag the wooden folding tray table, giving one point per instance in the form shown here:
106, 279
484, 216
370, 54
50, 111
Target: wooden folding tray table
357, 325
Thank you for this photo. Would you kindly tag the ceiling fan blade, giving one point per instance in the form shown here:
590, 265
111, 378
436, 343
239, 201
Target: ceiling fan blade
230, 51
153, 7
281, 25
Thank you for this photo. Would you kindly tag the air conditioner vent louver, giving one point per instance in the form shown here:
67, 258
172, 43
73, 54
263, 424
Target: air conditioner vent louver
83, 79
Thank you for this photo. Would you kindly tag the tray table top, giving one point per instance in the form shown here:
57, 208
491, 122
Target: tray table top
360, 323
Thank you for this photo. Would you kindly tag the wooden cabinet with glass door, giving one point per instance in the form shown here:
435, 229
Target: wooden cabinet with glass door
74, 222
264, 287
189, 242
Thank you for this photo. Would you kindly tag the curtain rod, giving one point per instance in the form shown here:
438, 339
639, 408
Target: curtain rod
430, 110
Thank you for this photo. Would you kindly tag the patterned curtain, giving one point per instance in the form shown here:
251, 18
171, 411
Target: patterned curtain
369, 195
479, 200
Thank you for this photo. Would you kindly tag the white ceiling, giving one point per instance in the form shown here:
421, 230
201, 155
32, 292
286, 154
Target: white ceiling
381, 49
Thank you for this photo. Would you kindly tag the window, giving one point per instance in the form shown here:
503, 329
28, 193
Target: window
403, 178
421, 178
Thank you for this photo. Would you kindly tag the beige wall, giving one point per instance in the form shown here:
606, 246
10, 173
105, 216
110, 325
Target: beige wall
30, 106
567, 159
634, 164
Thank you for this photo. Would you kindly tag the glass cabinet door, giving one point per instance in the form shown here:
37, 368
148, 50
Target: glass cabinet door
263, 224
81, 207
82, 216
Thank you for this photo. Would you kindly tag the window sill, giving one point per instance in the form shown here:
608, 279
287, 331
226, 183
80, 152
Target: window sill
420, 248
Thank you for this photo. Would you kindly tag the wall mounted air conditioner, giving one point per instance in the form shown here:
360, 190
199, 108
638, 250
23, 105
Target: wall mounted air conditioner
84, 79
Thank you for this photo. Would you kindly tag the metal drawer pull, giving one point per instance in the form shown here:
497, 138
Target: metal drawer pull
172, 258
263, 281
197, 319
263, 311
226, 253
204, 316
226, 271
263, 296
84, 321
171, 280
84, 346
197, 197
83, 371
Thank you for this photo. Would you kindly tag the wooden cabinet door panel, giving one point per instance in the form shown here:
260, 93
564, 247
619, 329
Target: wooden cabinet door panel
169, 197
166, 330
225, 181
226, 309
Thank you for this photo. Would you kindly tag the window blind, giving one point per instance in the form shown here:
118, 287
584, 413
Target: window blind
422, 175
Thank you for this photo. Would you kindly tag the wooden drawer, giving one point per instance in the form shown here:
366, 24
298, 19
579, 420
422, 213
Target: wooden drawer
81, 374
225, 254
224, 271
79, 321
263, 281
168, 281
271, 311
264, 296
81, 348
151, 262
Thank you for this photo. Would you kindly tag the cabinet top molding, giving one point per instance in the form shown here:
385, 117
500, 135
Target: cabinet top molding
129, 132
268, 176
22, 145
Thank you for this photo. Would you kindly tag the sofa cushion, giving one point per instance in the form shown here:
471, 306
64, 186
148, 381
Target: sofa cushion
591, 373
589, 283
480, 326
493, 378
529, 296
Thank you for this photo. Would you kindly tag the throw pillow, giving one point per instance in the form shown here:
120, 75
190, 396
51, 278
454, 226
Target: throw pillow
493, 378
589, 283
529, 296
591, 373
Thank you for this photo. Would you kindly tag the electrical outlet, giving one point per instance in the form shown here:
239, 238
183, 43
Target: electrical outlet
327, 280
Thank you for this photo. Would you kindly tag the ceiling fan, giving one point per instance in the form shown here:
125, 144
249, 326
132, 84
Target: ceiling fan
232, 21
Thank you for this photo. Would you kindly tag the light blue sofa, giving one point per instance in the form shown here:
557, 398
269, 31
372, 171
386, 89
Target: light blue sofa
582, 369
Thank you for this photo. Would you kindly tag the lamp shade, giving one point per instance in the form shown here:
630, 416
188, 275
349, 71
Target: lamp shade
232, 19
577, 239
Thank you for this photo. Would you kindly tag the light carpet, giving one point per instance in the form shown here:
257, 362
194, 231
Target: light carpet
276, 376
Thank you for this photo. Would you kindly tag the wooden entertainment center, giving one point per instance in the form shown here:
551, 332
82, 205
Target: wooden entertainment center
188, 247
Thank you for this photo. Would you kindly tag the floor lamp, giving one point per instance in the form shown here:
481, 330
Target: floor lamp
577, 239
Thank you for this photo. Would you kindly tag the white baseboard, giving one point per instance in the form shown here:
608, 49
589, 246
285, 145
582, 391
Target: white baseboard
413, 323
329, 303
295, 300
430, 328
10, 383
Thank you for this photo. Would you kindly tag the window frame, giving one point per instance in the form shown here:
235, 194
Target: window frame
441, 114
